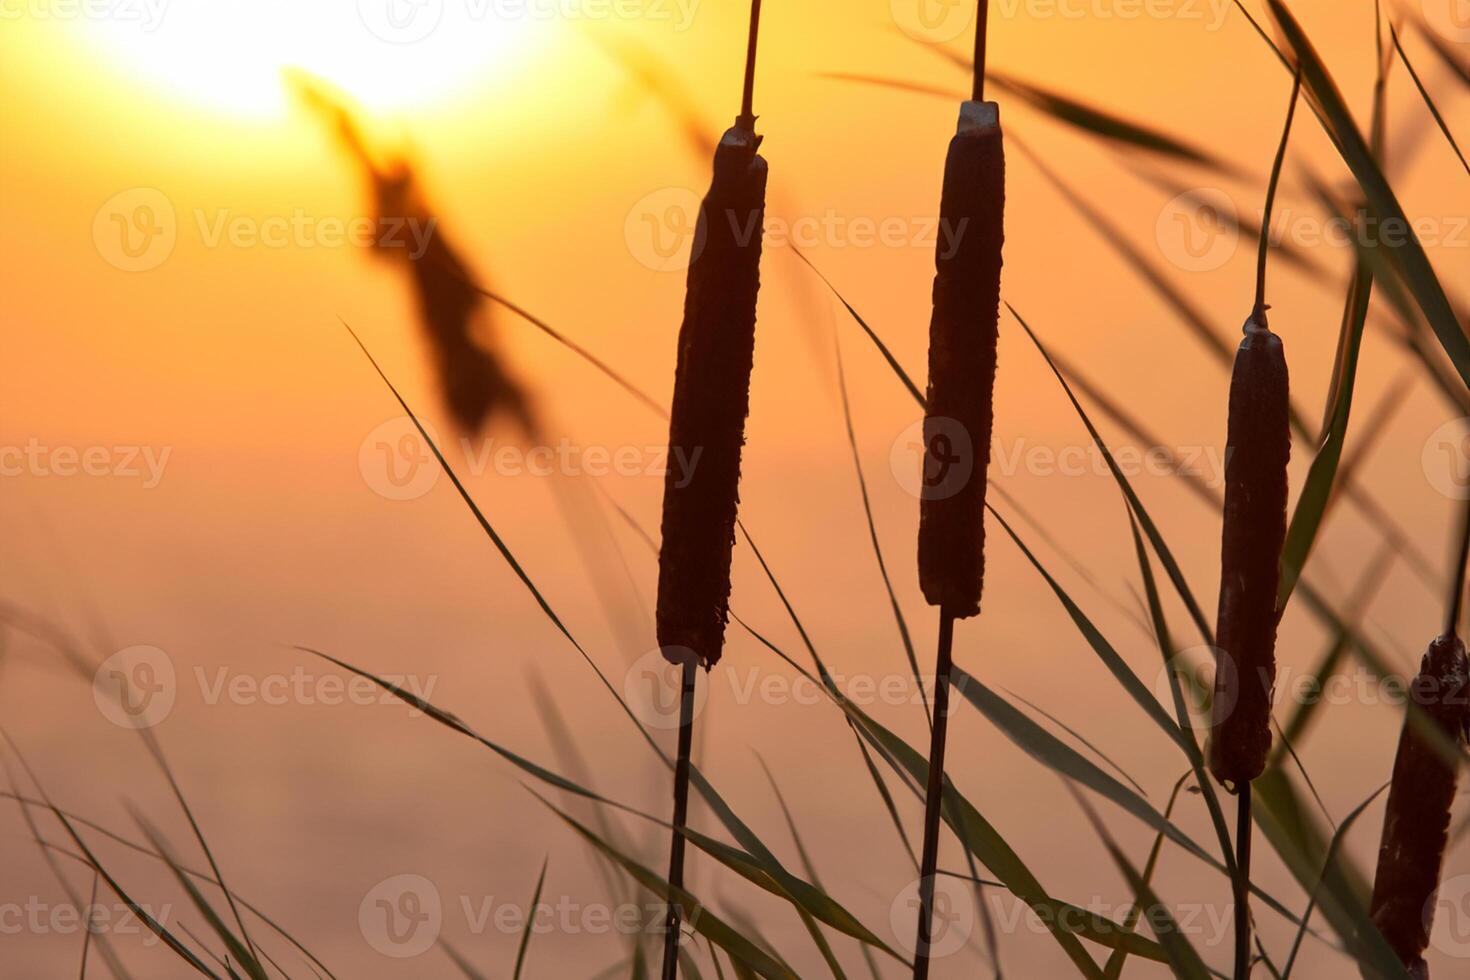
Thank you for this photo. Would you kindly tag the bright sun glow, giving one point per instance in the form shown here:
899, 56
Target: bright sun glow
389, 54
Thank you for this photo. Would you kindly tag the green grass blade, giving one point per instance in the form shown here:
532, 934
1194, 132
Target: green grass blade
530, 921
1408, 257
1428, 99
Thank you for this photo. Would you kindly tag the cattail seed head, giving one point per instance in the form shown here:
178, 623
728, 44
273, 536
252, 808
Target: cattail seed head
1416, 827
963, 334
711, 401
1258, 449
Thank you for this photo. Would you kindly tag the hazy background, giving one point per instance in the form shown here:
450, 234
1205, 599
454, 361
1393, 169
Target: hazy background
269, 525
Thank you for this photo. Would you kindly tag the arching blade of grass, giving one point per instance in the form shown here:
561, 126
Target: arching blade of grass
701, 919
1155, 538
1328, 865
1428, 99
1182, 955
461, 963
1113, 970
530, 921
1454, 60
1341, 893
1317, 491
238, 951
857, 464
504, 549
1408, 258
1090, 119
1051, 752
807, 864
757, 858
1083, 740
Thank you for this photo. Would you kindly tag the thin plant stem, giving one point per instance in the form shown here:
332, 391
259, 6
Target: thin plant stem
1265, 245
747, 100
982, 22
681, 815
934, 795
1243, 885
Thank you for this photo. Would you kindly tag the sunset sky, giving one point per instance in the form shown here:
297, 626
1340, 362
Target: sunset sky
199, 459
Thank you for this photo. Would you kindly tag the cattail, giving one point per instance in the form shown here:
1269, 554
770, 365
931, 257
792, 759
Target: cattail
473, 379
707, 425
1417, 825
963, 334
1258, 449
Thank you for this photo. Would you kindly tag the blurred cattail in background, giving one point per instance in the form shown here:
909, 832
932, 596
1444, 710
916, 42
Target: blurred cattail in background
473, 379
707, 426
963, 335
1416, 827
1257, 451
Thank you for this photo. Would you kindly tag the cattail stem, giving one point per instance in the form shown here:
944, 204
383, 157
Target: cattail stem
747, 101
681, 816
934, 795
1265, 246
982, 22
1243, 885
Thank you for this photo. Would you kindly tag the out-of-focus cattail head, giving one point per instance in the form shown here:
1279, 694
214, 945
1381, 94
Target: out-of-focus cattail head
963, 336
1416, 826
711, 401
1257, 451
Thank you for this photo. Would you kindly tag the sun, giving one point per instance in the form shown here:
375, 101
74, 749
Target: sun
388, 54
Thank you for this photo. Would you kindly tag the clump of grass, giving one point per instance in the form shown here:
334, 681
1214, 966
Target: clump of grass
707, 424
1258, 449
1422, 794
963, 336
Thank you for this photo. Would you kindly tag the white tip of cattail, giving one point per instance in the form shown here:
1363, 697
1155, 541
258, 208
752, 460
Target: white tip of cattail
982, 116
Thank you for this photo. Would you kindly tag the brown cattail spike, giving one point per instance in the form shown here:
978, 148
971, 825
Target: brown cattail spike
1416, 827
962, 361
1257, 451
711, 400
